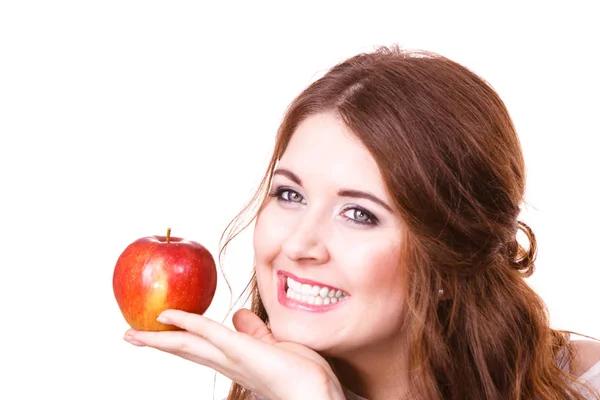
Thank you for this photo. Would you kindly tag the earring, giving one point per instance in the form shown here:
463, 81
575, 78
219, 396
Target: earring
441, 292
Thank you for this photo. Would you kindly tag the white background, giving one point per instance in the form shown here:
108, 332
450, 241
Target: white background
119, 119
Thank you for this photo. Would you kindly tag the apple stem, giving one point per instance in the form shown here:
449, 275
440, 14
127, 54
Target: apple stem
168, 235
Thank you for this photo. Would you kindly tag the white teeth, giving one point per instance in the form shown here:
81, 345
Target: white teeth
306, 289
313, 294
294, 285
315, 290
323, 292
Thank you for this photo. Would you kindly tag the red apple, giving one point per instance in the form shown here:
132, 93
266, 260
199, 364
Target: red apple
157, 273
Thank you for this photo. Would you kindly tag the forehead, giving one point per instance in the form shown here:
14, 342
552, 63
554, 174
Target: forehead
323, 148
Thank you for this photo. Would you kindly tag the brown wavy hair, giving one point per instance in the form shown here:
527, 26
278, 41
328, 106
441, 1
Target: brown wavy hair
452, 162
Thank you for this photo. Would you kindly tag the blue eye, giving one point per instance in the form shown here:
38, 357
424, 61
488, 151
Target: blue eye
357, 215
287, 195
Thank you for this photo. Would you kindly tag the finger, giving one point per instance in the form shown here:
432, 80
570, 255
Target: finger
128, 337
235, 345
247, 322
206, 328
187, 346
183, 344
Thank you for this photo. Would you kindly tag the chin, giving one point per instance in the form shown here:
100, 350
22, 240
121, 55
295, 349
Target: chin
312, 339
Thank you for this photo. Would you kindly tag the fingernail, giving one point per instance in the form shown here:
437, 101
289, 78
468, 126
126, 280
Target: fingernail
134, 342
163, 320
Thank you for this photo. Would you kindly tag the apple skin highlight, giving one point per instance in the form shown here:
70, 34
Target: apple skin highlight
157, 273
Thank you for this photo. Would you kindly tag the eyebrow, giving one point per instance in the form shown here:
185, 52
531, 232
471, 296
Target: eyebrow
342, 192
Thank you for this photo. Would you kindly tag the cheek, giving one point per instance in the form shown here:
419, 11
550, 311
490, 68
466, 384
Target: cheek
381, 288
374, 268
269, 234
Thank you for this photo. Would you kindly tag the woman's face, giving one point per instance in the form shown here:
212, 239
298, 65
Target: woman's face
327, 244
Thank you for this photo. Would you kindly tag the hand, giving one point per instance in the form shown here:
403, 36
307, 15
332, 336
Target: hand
251, 356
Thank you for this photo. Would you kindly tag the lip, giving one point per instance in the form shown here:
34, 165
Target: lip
294, 304
307, 281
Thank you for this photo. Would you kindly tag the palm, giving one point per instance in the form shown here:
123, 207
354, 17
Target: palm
305, 358
251, 356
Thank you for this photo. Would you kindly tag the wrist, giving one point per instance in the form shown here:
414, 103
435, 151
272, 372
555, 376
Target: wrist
332, 390
326, 390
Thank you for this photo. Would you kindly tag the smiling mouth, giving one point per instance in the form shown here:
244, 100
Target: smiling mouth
294, 292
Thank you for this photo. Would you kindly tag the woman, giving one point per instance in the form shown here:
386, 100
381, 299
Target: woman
386, 259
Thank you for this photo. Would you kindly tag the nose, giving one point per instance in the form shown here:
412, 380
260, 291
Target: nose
306, 242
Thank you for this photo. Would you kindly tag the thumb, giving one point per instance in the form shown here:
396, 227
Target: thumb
247, 322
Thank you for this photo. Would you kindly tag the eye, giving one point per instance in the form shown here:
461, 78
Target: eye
353, 214
287, 195
359, 216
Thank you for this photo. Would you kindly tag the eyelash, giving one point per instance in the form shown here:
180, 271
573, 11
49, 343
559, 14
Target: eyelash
372, 221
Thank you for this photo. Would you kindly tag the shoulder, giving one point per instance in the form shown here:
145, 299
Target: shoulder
586, 355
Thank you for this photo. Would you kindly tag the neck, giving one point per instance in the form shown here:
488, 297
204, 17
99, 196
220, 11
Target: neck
375, 374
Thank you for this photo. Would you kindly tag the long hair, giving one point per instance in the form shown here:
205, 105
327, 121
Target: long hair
452, 162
